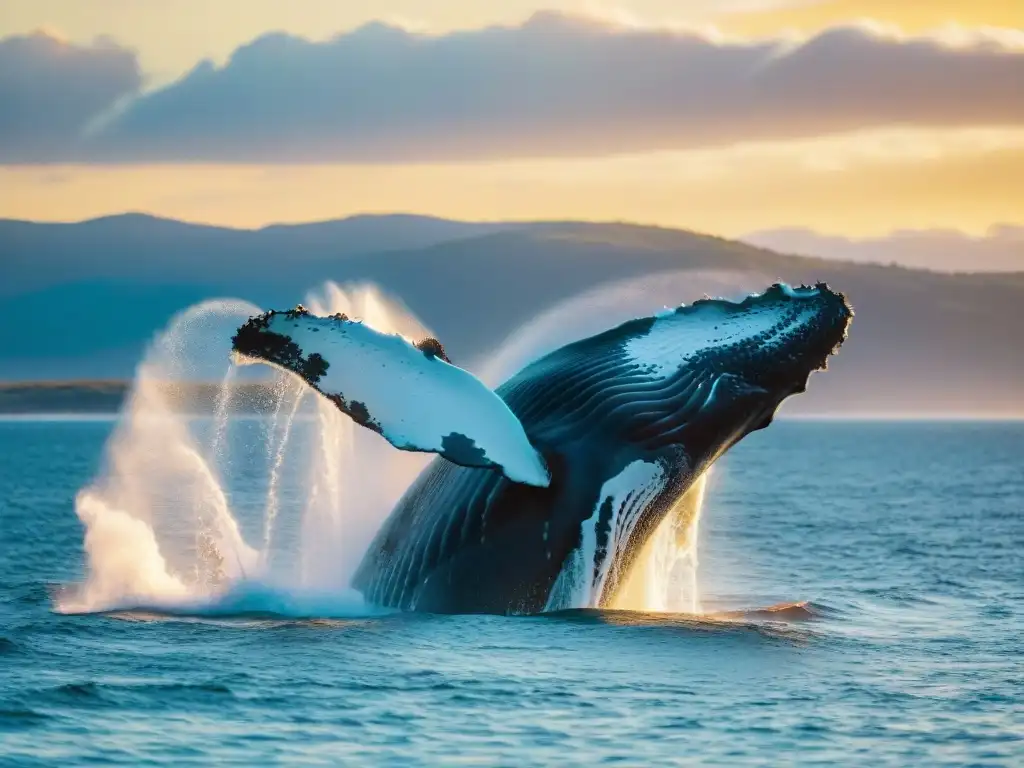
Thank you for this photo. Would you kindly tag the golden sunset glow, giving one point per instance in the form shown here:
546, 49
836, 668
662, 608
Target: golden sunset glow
860, 184
966, 175
912, 16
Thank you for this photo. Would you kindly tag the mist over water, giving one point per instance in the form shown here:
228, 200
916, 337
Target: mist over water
236, 512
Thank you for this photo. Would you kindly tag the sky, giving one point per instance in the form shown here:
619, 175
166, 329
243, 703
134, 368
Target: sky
851, 117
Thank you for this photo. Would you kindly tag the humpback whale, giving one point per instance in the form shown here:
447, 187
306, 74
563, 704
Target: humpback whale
546, 489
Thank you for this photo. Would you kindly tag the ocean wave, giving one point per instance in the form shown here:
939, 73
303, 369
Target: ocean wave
94, 694
21, 717
68, 693
785, 612
804, 610
241, 600
777, 622
901, 595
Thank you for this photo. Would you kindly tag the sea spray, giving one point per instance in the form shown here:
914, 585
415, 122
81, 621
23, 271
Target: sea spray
664, 576
165, 519
208, 514
354, 477
222, 411
289, 399
156, 520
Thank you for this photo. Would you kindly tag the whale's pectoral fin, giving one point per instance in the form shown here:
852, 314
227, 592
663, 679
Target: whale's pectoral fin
409, 393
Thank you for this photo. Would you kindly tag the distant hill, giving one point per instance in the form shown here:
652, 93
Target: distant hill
143, 248
1001, 249
81, 300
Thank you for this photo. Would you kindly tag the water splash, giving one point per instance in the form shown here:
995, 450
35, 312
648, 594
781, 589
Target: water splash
289, 399
355, 476
134, 547
664, 577
273, 496
203, 514
368, 303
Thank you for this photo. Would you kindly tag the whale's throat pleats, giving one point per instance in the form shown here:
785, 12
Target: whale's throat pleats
600, 562
598, 390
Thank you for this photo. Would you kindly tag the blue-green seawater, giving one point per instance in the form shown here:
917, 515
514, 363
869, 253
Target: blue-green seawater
906, 538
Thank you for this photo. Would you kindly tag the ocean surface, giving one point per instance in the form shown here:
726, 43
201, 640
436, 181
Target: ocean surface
904, 539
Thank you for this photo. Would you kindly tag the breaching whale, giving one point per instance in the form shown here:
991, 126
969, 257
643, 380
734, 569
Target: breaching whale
546, 489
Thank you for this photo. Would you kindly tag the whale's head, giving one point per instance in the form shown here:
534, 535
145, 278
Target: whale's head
772, 340
700, 376
724, 367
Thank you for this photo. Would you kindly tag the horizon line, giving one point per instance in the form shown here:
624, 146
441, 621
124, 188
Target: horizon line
924, 418
990, 231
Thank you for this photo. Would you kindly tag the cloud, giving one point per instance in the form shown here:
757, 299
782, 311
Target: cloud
554, 86
50, 91
942, 250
